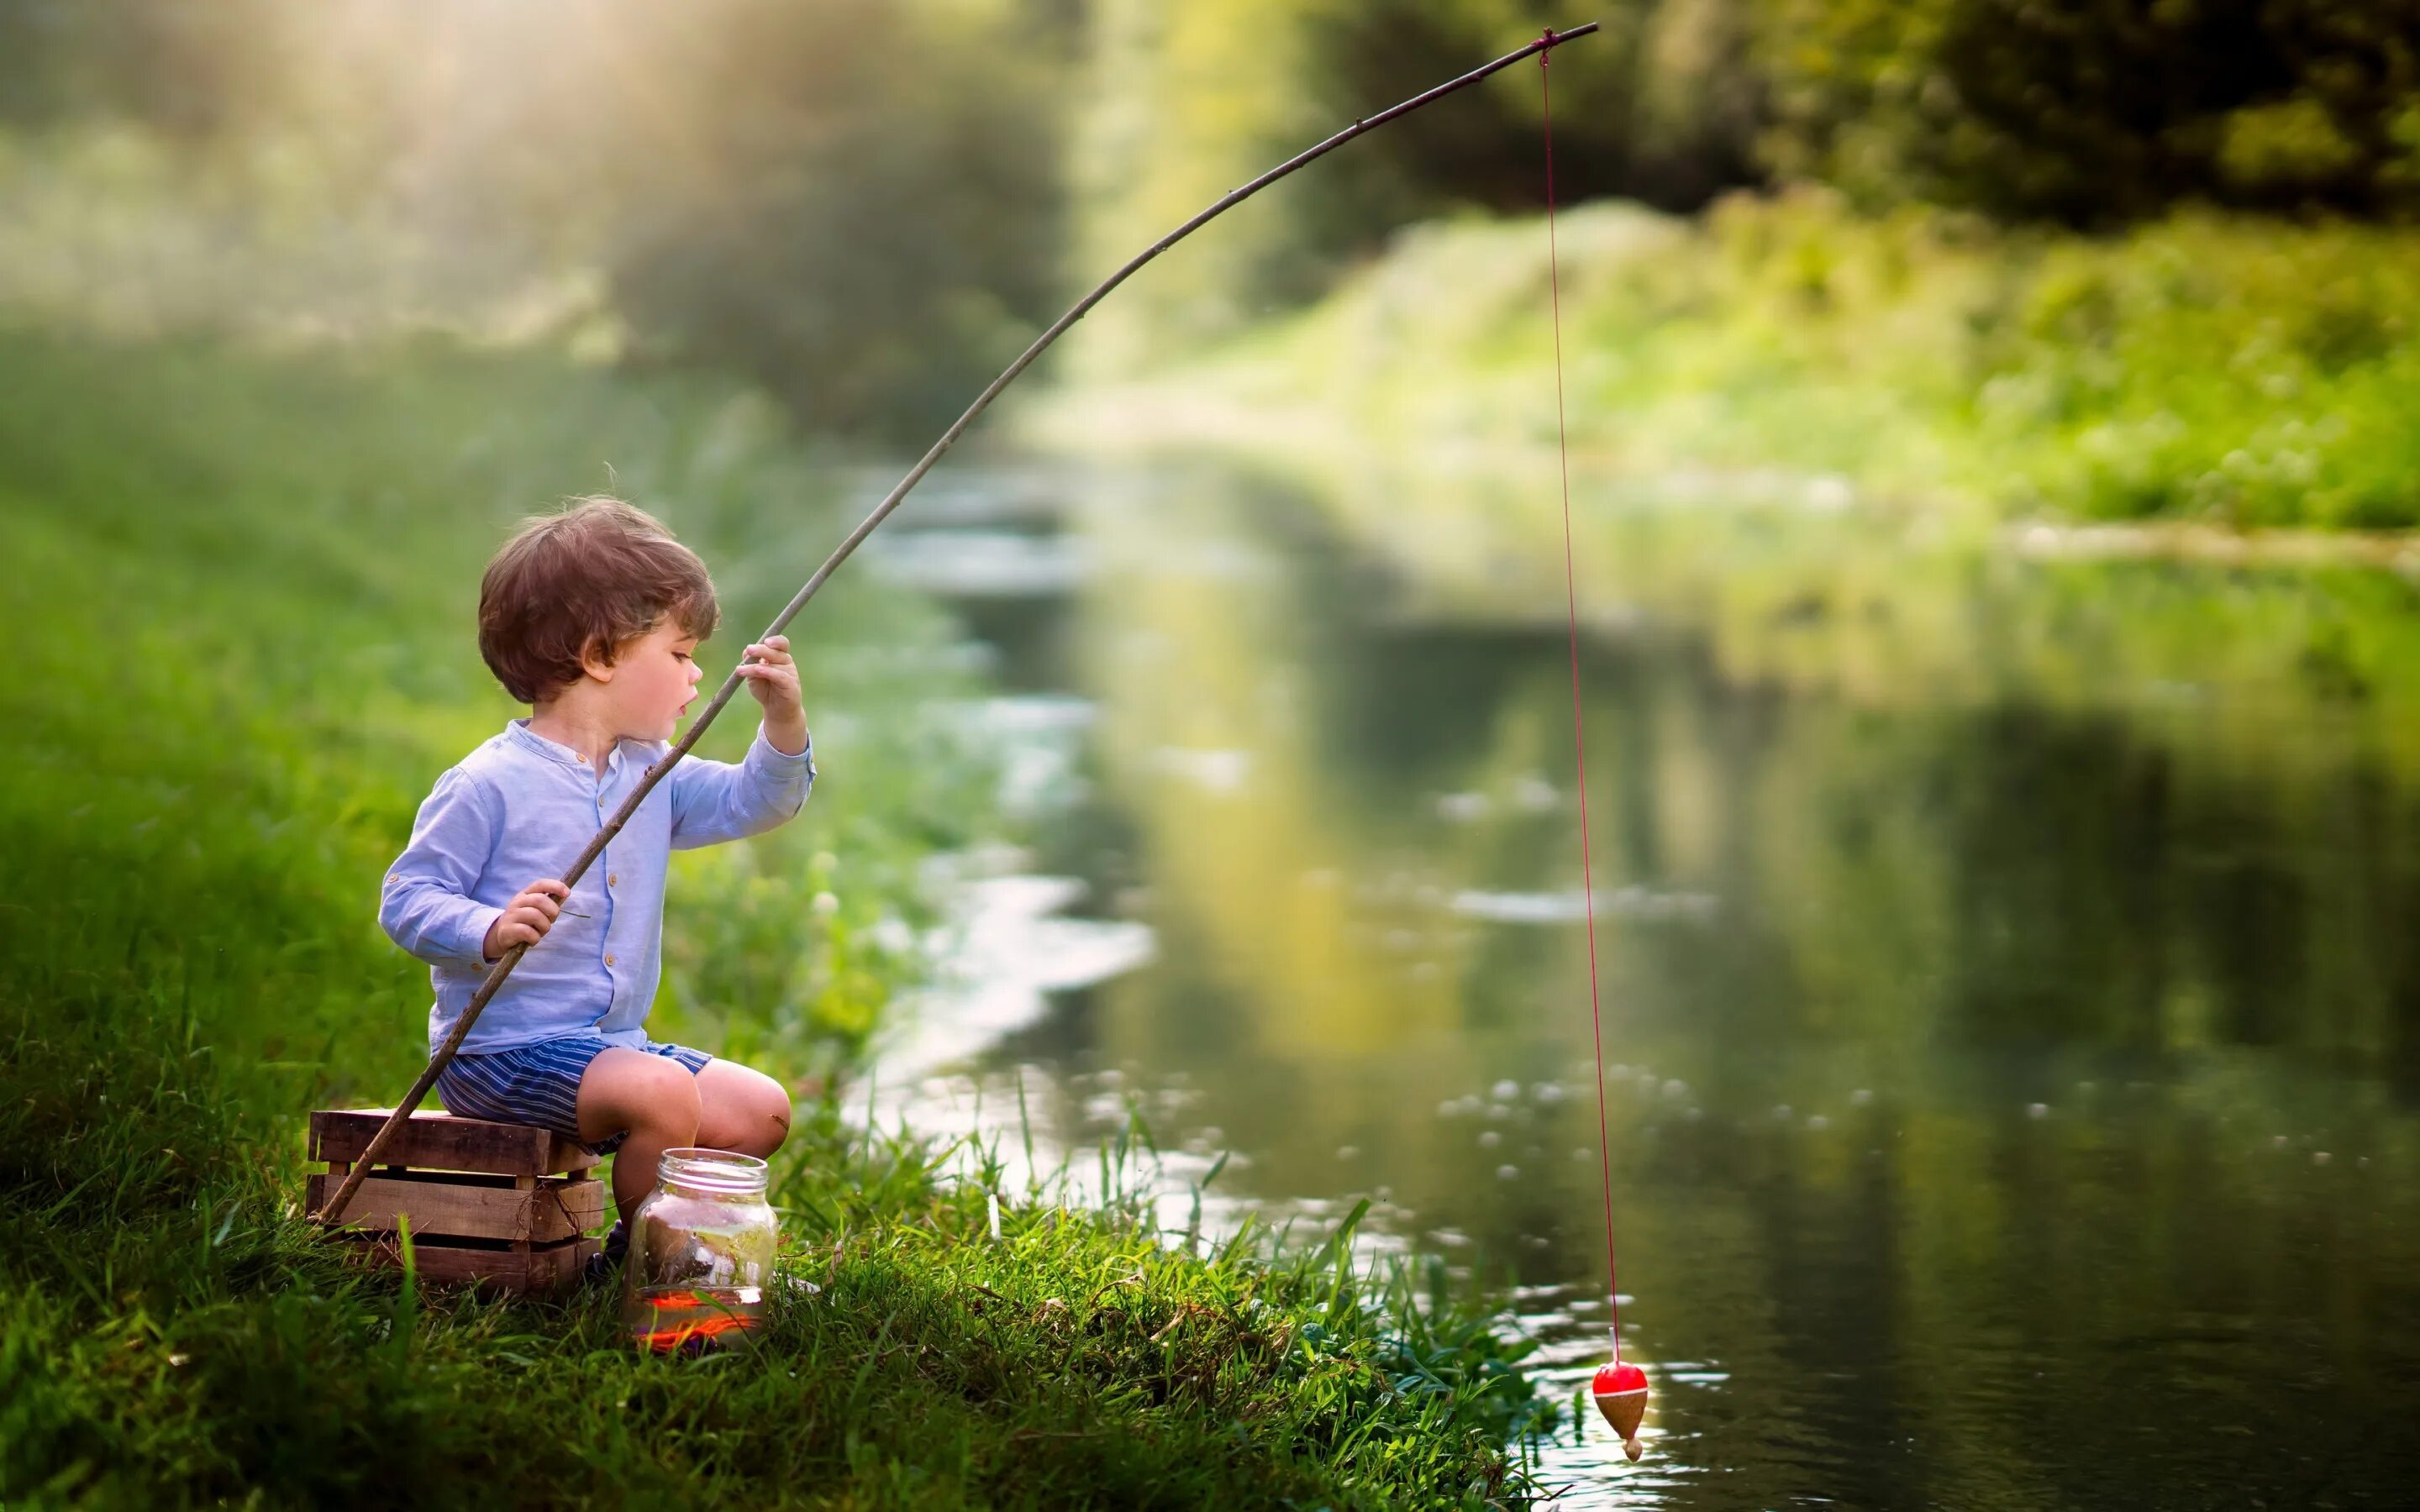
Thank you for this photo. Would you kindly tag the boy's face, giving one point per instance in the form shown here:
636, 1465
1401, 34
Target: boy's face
652, 682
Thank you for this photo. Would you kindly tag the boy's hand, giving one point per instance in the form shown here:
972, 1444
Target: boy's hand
773, 677
526, 919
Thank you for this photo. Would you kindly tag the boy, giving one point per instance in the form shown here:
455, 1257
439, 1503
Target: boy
591, 617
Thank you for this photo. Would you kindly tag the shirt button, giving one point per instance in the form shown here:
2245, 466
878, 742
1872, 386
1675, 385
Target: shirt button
609, 960
612, 879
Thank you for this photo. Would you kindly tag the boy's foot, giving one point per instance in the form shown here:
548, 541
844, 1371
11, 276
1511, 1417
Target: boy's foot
606, 1261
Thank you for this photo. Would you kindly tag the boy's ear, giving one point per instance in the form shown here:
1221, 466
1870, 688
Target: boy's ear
596, 659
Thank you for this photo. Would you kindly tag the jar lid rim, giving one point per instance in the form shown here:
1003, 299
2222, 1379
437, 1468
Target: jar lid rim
715, 1170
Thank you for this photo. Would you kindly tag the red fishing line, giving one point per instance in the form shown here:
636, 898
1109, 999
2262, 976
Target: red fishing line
1619, 1389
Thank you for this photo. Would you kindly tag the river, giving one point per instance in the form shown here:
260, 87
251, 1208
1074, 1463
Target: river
2009, 1106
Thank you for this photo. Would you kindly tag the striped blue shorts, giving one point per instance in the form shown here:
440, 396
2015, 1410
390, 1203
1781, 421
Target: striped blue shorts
540, 1084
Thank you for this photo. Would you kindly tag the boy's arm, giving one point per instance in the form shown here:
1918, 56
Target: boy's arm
715, 801
426, 905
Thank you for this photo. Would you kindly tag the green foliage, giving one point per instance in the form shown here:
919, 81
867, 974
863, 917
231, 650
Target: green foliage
2239, 372
190, 70
855, 204
767, 959
2096, 115
1660, 105
247, 585
1188, 102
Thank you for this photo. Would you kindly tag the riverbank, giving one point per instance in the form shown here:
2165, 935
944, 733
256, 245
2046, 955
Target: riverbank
2219, 369
1908, 461
242, 586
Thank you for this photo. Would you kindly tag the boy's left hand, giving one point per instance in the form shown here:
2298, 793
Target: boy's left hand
773, 677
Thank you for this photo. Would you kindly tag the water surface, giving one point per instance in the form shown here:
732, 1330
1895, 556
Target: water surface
2009, 1107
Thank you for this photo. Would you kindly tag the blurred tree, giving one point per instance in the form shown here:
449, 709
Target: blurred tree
1188, 102
1184, 103
188, 69
1662, 106
2088, 111
859, 205
2095, 113
856, 202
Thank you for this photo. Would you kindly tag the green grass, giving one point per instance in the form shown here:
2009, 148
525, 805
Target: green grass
240, 595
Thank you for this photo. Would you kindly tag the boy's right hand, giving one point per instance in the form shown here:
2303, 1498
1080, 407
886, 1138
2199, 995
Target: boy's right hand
526, 919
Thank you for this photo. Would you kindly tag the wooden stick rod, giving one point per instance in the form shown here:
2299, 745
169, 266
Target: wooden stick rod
333, 1210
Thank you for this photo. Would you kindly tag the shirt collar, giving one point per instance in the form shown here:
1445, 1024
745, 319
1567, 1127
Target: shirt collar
519, 732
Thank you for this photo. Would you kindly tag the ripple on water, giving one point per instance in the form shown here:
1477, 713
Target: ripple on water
1641, 904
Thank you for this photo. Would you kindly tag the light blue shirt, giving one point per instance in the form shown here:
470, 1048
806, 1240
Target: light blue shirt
519, 807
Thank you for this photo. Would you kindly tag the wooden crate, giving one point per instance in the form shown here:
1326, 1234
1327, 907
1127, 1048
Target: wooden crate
501, 1205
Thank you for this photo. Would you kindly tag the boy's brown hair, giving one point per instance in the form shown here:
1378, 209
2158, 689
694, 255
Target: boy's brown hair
592, 577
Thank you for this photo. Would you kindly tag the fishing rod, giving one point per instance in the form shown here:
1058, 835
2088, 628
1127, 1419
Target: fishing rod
333, 1210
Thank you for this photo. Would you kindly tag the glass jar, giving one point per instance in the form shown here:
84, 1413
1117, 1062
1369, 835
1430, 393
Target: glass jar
700, 1253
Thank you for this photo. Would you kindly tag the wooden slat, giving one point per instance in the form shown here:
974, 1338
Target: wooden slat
439, 1141
547, 1210
537, 1270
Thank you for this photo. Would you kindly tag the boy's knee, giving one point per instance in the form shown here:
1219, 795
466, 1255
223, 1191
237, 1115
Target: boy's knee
667, 1100
767, 1113
755, 1121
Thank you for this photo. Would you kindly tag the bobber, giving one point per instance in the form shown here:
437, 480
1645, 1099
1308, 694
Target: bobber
1620, 1392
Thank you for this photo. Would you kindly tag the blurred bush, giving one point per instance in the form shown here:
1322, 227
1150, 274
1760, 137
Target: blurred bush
2098, 113
2231, 370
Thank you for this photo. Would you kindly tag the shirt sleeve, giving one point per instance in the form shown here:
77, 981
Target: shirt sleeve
715, 801
426, 905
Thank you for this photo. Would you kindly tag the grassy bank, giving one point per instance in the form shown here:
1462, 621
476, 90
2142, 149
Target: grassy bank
2242, 372
1913, 462
241, 590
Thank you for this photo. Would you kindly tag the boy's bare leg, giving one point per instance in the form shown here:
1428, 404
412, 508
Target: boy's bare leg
741, 1109
656, 1099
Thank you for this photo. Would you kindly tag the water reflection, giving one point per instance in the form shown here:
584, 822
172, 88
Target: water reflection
2011, 1108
